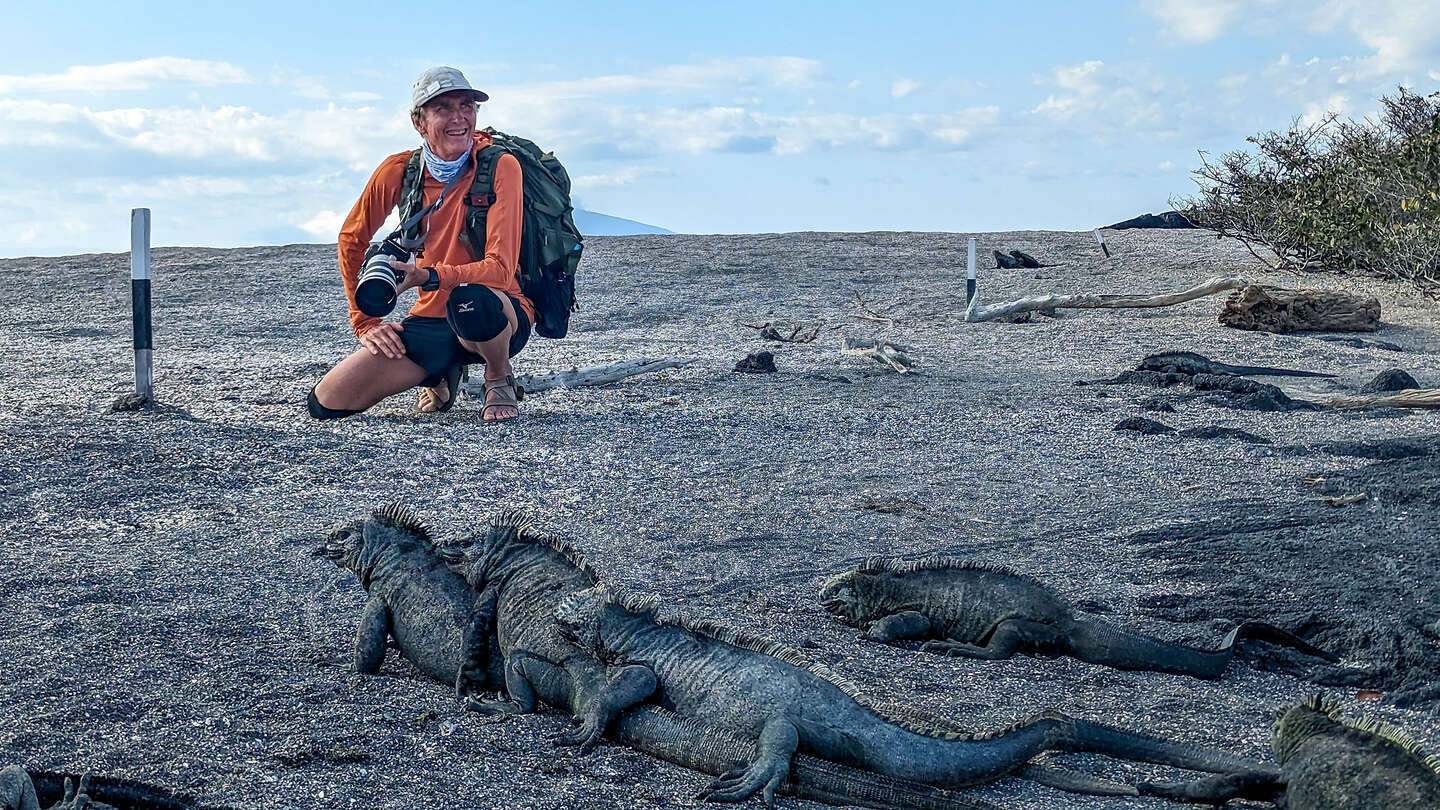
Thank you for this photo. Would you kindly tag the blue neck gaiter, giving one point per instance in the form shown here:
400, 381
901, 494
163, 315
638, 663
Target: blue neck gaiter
444, 170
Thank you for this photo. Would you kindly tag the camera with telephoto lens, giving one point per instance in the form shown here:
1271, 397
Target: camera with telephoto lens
376, 290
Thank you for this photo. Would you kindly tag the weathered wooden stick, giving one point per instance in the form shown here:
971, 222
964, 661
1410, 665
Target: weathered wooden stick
883, 352
576, 377
1092, 301
1414, 398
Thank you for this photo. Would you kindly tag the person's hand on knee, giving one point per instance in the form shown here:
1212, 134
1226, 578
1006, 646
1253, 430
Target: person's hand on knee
384, 339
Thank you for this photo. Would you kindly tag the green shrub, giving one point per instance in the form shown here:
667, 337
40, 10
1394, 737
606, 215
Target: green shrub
1336, 196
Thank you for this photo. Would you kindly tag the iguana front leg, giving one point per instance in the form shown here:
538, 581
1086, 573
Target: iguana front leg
1008, 636
370, 637
624, 686
778, 741
906, 624
472, 677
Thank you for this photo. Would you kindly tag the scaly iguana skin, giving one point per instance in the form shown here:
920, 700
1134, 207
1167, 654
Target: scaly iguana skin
524, 575
1330, 763
768, 692
982, 611
32, 790
414, 597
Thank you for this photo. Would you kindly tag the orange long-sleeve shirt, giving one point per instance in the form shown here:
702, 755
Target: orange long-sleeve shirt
444, 251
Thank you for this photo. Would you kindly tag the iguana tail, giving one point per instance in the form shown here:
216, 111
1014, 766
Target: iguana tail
683, 741
1102, 643
122, 794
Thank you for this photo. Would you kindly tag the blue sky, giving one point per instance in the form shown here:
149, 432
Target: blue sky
258, 123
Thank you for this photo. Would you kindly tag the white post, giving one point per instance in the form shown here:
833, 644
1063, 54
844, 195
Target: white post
140, 301
970, 274
1101, 240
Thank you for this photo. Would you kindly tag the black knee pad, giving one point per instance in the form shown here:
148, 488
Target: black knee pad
475, 313
321, 412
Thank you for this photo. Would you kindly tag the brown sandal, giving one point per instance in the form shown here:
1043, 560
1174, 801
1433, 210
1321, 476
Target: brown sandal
517, 393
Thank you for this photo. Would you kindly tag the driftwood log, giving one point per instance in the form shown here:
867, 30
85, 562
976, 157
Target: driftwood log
1091, 301
576, 377
1267, 309
1414, 398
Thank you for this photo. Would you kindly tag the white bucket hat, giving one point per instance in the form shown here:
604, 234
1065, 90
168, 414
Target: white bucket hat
439, 80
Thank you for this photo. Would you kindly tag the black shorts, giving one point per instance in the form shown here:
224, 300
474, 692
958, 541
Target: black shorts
431, 343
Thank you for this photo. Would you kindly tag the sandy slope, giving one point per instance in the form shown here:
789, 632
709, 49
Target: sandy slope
163, 621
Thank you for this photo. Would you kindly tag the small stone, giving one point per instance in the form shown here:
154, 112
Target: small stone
132, 401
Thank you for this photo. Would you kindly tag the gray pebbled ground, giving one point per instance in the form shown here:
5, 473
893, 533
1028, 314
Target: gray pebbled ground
163, 622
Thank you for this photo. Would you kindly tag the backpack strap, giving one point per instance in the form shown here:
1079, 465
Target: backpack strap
481, 197
412, 190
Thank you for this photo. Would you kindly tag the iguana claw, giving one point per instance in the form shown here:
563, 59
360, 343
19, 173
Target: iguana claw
495, 707
587, 735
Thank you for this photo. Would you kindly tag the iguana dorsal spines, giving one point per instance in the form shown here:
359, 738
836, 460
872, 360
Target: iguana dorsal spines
399, 516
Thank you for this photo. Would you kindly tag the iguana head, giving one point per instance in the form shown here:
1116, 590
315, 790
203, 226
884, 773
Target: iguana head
356, 545
1299, 723
581, 614
844, 596
343, 544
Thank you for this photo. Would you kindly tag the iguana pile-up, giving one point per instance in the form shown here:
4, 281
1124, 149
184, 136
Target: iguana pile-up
392, 553
980, 611
723, 702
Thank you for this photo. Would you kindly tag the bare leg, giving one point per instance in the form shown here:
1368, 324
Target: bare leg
496, 353
363, 379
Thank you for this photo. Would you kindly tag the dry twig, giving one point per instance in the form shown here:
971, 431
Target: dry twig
891, 355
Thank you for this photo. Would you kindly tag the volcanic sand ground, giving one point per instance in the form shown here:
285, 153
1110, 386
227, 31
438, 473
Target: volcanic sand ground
163, 620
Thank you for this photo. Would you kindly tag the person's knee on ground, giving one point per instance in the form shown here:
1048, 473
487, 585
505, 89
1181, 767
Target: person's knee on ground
319, 411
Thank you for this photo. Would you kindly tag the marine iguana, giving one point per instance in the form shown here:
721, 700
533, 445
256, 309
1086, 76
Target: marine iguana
414, 596
981, 611
766, 691
1191, 363
524, 575
1331, 763
1328, 762
32, 790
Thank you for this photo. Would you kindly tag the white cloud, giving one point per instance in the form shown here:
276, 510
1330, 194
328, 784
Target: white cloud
1194, 21
324, 224
731, 74
903, 87
623, 177
137, 75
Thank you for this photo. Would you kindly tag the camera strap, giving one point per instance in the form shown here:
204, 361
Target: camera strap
415, 245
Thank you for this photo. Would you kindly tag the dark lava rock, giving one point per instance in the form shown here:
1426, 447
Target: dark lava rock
757, 363
1394, 379
1157, 404
1250, 395
1169, 219
1140, 424
1217, 432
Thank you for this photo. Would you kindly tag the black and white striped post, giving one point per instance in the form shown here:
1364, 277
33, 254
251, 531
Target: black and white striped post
140, 302
1101, 240
970, 274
